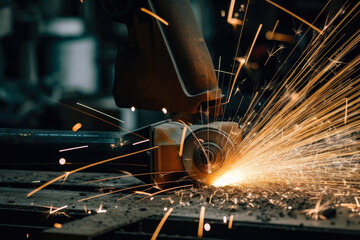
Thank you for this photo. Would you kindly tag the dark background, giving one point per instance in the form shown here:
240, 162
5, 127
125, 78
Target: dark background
65, 50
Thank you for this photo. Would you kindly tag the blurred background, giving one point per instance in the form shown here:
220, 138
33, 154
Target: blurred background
64, 51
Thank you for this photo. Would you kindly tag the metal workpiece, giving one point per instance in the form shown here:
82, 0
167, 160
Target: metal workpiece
164, 66
205, 148
42, 149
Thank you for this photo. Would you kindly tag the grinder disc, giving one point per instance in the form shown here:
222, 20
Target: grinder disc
205, 151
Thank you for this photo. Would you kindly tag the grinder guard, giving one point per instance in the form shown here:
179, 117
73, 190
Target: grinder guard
163, 66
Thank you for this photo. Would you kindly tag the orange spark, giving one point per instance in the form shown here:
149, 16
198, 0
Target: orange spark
57, 225
230, 19
95, 110
201, 222
91, 115
253, 43
157, 230
166, 190
155, 16
231, 221
346, 111
272, 32
282, 37
182, 142
295, 16
85, 167
242, 62
76, 127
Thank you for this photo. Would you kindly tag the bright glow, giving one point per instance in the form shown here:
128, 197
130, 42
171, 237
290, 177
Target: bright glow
229, 178
57, 225
58, 209
133, 109
62, 161
100, 209
76, 127
223, 13
164, 110
207, 227
155, 16
241, 60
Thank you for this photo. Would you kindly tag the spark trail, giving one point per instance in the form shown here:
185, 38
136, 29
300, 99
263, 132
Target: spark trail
300, 135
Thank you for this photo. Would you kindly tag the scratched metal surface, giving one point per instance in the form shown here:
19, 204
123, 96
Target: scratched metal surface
130, 217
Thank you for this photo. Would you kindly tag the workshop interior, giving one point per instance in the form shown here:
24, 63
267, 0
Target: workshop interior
179, 119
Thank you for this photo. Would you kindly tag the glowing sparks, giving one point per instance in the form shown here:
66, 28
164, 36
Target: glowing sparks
231, 177
346, 111
95, 110
301, 134
242, 62
62, 161
253, 43
207, 227
133, 109
201, 222
140, 142
57, 209
181, 149
155, 16
100, 209
164, 110
76, 127
279, 37
223, 13
73, 148
295, 16
85, 167
57, 225
230, 19
273, 31
273, 52
231, 221
158, 228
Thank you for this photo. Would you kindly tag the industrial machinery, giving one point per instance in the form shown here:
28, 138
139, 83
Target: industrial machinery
128, 183
163, 67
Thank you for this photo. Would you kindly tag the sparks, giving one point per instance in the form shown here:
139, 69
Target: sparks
253, 43
295, 16
57, 209
100, 209
201, 222
76, 127
231, 221
230, 19
301, 134
73, 148
95, 110
158, 228
155, 16
65, 175
62, 161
